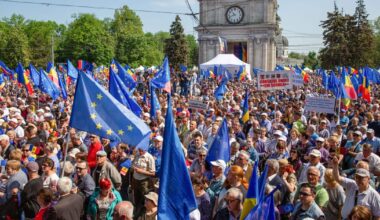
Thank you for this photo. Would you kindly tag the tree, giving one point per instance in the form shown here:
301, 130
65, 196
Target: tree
131, 45
336, 50
193, 50
176, 47
362, 37
87, 38
376, 43
155, 53
311, 60
41, 36
296, 55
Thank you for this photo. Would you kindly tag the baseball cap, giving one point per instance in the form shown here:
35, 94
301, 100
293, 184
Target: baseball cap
370, 130
362, 172
13, 120
219, 163
101, 153
323, 121
321, 139
282, 138
315, 153
153, 197
358, 133
158, 138
32, 166
277, 132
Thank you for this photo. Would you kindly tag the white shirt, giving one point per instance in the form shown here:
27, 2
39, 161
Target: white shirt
373, 160
369, 198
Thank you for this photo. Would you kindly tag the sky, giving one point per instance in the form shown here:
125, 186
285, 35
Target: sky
300, 19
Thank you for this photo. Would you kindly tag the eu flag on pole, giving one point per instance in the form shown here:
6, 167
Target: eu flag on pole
262, 183
47, 86
333, 84
120, 92
154, 103
125, 76
220, 147
62, 85
96, 111
265, 209
6, 70
220, 90
71, 70
34, 75
162, 78
252, 194
176, 197
325, 79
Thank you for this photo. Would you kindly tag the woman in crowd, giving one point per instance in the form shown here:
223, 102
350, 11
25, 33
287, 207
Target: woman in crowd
44, 199
103, 201
360, 212
203, 199
336, 197
151, 202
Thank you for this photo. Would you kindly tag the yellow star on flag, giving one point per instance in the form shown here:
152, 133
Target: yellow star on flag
120, 132
109, 132
99, 96
93, 104
130, 128
98, 126
93, 116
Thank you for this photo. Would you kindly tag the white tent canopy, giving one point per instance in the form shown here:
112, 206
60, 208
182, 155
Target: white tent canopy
229, 61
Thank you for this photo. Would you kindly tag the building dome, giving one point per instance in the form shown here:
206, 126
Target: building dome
285, 41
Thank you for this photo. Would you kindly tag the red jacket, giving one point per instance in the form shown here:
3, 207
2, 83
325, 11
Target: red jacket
91, 157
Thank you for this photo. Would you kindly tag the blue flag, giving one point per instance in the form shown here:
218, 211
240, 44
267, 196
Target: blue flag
265, 209
125, 76
47, 86
120, 92
220, 90
71, 70
262, 183
62, 84
162, 78
183, 68
325, 79
220, 147
176, 197
96, 111
34, 75
154, 103
333, 84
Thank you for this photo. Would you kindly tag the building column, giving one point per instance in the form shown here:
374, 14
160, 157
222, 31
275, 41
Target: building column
258, 53
265, 53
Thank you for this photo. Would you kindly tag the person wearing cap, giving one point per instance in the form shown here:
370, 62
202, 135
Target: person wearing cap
216, 183
155, 150
352, 148
29, 195
6, 146
102, 202
314, 158
320, 145
322, 129
373, 141
281, 151
16, 126
358, 191
105, 169
264, 122
151, 203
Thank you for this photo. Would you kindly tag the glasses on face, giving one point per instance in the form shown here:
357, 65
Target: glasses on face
25, 150
80, 168
228, 201
44, 165
202, 155
304, 194
312, 174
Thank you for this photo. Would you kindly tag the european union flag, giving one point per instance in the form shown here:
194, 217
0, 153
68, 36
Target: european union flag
333, 84
325, 79
34, 75
125, 77
220, 147
120, 92
47, 86
176, 197
265, 209
262, 183
96, 111
71, 70
154, 103
183, 68
220, 90
62, 84
162, 78
6, 70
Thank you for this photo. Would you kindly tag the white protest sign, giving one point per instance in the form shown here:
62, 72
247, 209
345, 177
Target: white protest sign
196, 104
320, 104
274, 80
296, 80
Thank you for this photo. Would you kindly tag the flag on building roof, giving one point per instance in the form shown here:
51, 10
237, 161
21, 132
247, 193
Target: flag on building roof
96, 111
176, 196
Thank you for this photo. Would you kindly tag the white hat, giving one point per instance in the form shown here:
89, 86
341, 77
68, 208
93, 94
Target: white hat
13, 120
324, 121
282, 138
219, 163
277, 132
73, 152
47, 108
4, 137
146, 114
158, 138
321, 139
1, 121
358, 133
264, 114
315, 153
40, 111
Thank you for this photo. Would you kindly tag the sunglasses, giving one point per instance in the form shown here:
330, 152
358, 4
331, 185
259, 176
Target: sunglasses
80, 168
25, 150
304, 194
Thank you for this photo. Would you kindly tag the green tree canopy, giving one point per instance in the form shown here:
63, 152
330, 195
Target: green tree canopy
87, 38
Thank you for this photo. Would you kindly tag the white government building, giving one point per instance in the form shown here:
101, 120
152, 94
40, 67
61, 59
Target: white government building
244, 28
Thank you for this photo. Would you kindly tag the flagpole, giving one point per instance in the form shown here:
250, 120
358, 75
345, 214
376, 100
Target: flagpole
65, 155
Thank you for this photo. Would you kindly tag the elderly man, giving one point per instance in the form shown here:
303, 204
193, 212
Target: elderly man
372, 159
313, 177
307, 207
358, 191
315, 161
105, 169
123, 211
69, 206
234, 200
217, 180
243, 161
373, 141
5, 146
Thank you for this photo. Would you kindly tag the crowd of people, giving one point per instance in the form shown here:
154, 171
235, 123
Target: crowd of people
326, 166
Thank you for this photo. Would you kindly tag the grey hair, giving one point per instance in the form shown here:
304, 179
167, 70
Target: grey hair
236, 193
64, 185
124, 208
272, 163
314, 168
